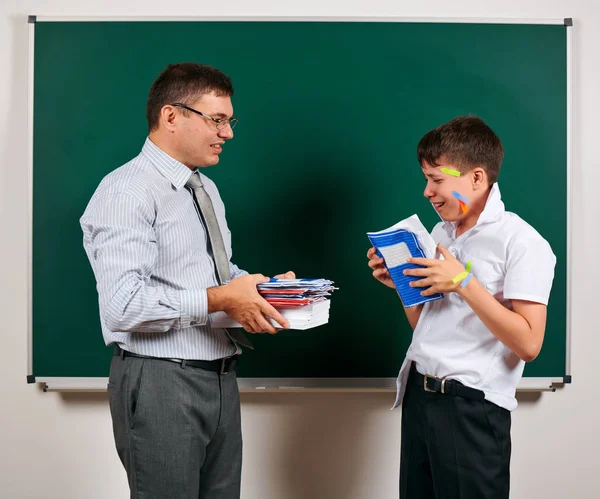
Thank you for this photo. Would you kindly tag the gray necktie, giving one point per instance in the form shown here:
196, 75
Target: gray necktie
217, 246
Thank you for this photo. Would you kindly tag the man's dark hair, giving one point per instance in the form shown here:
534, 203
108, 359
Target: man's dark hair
185, 82
465, 142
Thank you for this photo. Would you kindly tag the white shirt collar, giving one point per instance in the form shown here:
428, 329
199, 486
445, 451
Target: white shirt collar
494, 208
177, 173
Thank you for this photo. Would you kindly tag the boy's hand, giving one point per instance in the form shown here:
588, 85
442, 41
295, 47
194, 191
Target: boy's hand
379, 271
438, 273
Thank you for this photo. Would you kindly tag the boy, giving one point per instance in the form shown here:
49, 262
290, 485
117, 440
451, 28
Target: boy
469, 349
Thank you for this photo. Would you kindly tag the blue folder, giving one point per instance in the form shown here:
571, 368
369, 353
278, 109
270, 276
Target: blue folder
393, 241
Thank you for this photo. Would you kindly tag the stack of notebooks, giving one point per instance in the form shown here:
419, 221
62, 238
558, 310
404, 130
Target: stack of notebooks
303, 302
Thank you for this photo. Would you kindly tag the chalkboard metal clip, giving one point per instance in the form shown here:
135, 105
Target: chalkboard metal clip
568, 21
31, 19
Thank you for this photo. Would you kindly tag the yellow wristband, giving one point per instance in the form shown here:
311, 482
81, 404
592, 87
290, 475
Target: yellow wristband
460, 277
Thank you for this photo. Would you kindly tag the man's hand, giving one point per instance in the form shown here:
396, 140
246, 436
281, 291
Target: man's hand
288, 275
242, 302
379, 271
438, 273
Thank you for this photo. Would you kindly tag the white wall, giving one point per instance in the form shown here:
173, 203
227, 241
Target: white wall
297, 446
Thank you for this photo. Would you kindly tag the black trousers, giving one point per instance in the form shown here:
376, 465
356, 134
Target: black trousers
177, 429
453, 447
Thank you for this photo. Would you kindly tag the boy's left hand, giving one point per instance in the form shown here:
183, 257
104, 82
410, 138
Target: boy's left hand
438, 273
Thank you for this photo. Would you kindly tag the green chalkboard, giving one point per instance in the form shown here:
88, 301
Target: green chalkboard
330, 116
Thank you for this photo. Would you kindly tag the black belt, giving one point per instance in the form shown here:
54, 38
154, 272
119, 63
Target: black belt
444, 386
225, 365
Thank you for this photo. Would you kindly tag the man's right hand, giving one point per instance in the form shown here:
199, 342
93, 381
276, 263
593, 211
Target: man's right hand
379, 271
242, 302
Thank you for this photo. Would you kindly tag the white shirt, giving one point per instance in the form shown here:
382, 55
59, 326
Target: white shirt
513, 262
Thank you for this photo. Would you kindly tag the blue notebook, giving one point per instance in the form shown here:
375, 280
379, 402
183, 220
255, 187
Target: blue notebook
395, 246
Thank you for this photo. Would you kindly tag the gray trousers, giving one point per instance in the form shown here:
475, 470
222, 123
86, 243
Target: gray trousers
177, 429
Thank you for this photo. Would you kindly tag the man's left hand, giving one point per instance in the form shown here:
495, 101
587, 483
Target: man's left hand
437, 273
288, 275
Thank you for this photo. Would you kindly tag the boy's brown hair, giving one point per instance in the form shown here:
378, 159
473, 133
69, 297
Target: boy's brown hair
465, 142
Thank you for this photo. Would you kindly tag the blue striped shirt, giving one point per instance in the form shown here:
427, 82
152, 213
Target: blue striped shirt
148, 250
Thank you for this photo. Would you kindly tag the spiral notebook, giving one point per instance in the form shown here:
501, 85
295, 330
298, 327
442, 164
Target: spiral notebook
408, 238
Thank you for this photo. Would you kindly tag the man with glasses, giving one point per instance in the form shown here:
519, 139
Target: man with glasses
157, 239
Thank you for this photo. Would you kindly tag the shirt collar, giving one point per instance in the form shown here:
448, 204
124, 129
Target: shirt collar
177, 173
494, 208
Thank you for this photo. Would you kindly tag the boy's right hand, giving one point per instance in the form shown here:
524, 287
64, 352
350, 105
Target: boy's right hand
242, 302
379, 271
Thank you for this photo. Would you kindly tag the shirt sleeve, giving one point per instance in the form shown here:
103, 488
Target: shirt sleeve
235, 271
529, 268
122, 248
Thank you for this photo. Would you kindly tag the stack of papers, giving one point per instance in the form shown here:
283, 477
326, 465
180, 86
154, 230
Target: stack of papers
295, 292
303, 302
408, 238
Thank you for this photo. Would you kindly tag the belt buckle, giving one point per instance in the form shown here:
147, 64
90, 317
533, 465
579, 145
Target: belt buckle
222, 370
427, 389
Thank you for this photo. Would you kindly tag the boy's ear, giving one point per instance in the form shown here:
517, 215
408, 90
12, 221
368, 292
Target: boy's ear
479, 178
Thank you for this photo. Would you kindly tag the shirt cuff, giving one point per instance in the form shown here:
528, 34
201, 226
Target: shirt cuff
194, 307
236, 272
527, 297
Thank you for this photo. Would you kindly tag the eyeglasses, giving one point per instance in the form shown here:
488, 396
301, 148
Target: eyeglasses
219, 123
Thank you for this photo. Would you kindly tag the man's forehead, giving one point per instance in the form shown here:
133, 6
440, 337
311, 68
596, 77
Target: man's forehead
212, 103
